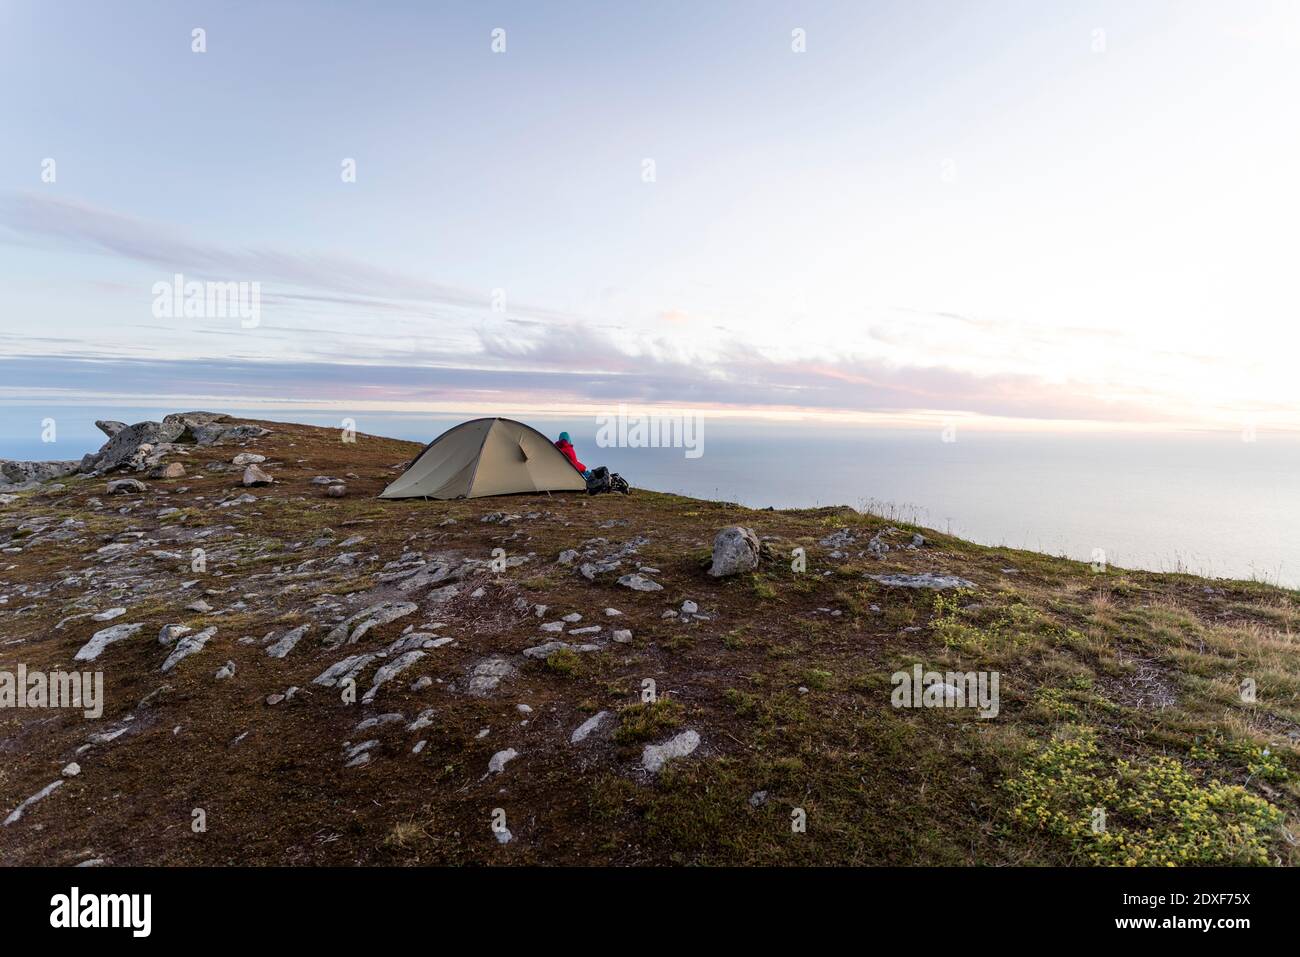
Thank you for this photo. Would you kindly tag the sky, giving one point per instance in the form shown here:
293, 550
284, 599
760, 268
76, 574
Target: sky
1018, 215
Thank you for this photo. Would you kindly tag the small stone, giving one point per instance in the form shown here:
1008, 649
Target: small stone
689, 607
102, 639
170, 633
498, 762
623, 636
247, 458
925, 580
200, 606
120, 486
254, 475
72, 770
581, 732
758, 799
172, 470
109, 615
572, 617
336, 491
640, 583
655, 756
612, 613
226, 671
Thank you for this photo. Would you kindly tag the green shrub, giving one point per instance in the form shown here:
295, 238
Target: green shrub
1156, 812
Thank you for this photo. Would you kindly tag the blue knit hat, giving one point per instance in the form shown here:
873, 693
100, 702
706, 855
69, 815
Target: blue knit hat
564, 437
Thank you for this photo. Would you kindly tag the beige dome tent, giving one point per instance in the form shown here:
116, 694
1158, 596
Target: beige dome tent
487, 457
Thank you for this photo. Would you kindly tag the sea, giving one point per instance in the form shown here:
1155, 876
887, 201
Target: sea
1223, 505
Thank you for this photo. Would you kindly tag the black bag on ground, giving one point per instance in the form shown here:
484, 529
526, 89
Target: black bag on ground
602, 479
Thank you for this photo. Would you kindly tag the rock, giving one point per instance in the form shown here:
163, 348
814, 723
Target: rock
109, 615
102, 639
170, 633
336, 491
553, 626
71, 770
172, 470
487, 674
121, 486
25, 473
538, 652
421, 683
503, 835
390, 671
419, 745
40, 795
623, 636
498, 762
735, 550
924, 580
758, 799
286, 644
109, 427
612, 613
253, 475
567, 557
215, 432
572, 617
689, 607
589, 630
379, 720
655, 756
344, 670
132, 445
422, 720
581, 732
225, 671
381, 613
640, 583
589, 570
244, 499
200, 607
189, 645
247, 458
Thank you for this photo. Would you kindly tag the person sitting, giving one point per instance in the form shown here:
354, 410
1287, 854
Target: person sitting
566, 446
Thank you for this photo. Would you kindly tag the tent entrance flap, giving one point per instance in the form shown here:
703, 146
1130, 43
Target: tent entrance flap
487, 457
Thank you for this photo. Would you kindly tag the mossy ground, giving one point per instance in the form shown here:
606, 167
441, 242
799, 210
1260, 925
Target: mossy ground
1119, 689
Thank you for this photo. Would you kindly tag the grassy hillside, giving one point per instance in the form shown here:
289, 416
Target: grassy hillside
1119, 690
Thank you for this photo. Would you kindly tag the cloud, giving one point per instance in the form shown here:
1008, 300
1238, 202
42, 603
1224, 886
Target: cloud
329, 278
545, 357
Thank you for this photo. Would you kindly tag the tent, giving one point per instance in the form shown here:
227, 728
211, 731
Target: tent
487, 457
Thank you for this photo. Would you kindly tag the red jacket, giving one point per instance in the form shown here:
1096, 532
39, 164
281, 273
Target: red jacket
572, 456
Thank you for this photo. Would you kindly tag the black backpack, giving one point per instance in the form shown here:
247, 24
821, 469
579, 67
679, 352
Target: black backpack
602, 479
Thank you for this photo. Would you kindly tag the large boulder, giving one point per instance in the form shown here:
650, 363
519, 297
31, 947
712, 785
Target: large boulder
735, 550
144, 445
23, 473
125, 448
